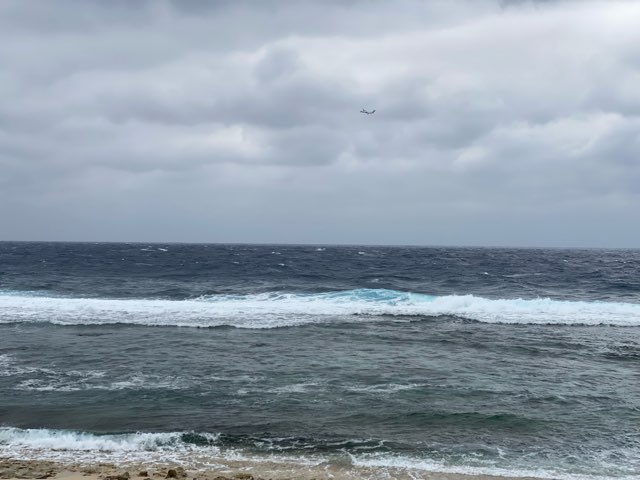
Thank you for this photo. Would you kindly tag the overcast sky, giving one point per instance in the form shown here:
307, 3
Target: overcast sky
497, 122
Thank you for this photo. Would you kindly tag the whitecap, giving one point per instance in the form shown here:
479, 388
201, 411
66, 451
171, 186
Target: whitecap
384, 388
281, 309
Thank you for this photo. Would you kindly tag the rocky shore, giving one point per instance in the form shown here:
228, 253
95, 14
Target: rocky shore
29, 469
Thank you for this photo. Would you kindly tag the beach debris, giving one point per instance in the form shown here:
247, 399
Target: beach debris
177, 472
119, 476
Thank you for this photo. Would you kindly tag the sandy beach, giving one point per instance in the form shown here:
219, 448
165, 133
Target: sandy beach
29, 469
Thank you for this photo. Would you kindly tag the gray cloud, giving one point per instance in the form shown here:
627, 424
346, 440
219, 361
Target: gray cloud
496, 122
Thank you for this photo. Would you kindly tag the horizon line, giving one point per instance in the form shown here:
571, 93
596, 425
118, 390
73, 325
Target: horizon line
310, 244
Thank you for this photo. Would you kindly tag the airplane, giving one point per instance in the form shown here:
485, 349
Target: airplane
368, 113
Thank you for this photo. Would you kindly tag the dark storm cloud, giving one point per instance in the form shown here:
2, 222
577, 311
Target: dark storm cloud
497, 121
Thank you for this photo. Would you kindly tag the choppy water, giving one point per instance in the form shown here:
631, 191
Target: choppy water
470, 360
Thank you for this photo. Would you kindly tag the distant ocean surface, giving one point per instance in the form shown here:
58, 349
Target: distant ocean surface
472, 360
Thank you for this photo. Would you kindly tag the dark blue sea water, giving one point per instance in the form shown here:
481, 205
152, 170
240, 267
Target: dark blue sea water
504, 361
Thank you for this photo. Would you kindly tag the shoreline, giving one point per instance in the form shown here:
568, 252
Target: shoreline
13, 469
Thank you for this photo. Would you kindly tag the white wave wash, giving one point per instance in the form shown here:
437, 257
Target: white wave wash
170, 448
146, 448
405, 463
270, 310
79, 447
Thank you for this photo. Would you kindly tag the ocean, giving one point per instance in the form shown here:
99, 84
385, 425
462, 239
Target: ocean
495, 361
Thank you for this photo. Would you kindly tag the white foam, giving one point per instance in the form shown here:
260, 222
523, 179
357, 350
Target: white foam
171, 448
9, 368
49, 380
405, 463
148, 382
293, 388
69, 440
70, 446
269, 310
384, 388
70, 382
148, 448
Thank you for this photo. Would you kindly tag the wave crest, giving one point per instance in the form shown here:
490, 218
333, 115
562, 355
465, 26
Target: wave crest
281, 309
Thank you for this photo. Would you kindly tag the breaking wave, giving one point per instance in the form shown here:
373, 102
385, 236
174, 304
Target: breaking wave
71, 446
205, 450
281, 309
